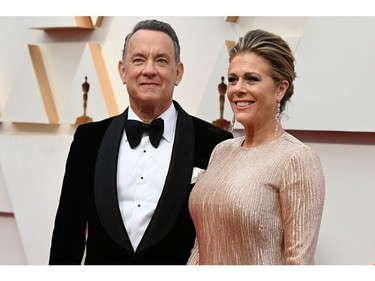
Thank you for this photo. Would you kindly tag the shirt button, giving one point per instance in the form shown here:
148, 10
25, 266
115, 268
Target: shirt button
139, 205
144, 151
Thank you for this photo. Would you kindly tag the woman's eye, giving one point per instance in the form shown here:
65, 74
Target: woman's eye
252, 79
232, 80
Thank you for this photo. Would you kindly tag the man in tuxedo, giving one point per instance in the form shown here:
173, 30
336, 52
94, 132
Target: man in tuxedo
124, 198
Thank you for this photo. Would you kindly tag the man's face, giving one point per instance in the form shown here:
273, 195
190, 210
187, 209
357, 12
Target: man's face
149, 69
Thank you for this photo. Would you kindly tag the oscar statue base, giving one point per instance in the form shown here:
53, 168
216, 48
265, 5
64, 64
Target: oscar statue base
222, 123
83, 119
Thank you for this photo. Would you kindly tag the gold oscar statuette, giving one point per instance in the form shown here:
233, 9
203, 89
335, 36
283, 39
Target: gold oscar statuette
84, 118
221, 122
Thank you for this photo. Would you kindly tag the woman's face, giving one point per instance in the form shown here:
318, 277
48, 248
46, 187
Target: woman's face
252, 92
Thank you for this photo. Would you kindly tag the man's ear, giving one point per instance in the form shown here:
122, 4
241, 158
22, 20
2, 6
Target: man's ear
121, 71
180, 73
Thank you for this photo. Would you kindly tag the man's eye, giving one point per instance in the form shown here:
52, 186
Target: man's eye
138, 60
162, 61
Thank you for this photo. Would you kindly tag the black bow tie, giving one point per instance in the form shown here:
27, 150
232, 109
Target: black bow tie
134, 130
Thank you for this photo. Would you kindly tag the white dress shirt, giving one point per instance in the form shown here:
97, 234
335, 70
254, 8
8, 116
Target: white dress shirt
141, 174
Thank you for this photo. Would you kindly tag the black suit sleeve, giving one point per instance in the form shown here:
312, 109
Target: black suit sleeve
207, 137
68, 239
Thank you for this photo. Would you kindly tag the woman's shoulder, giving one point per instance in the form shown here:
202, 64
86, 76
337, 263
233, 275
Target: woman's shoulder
293, 142
297, 148
231, 143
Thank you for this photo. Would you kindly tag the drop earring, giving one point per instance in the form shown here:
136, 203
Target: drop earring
277, 116
232, 123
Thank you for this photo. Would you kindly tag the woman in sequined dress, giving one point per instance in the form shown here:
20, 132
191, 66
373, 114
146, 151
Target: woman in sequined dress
260, 201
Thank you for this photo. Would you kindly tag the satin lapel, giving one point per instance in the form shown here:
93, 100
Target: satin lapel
105, 182
177, 185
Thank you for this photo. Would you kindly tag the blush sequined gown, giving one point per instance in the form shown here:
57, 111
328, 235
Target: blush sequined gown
258, 206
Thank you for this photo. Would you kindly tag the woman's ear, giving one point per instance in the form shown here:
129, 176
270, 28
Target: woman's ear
283, 87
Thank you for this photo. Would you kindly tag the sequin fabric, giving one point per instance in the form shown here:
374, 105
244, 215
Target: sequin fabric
258, 206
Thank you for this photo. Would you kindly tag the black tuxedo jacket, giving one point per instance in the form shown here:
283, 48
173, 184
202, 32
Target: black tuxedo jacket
88, 213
